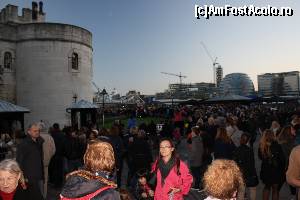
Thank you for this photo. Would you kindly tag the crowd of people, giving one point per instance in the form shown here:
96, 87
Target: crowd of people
88, 163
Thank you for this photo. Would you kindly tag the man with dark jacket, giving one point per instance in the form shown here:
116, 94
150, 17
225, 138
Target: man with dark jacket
244, 157
56, 166
30, 156
73, 151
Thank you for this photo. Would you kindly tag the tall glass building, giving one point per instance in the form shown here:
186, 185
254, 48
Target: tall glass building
219, 75
279, 84
236, 83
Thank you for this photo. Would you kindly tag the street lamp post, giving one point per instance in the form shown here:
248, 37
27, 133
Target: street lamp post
103, 93
171, 95
75, 98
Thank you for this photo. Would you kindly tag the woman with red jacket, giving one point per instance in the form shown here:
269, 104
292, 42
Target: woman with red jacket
173, 179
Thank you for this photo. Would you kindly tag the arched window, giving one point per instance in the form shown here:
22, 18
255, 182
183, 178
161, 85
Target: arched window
7, 60
74, 61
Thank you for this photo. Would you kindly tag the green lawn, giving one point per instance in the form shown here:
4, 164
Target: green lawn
124, 119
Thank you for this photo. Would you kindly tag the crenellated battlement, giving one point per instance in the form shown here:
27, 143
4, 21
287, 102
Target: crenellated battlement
9, 14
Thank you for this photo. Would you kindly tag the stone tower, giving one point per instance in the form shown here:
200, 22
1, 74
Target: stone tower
43, 65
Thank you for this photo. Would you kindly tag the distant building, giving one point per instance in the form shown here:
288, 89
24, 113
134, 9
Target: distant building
279, 84
188, 90
131, 97
43, 66
236, 84
219, 75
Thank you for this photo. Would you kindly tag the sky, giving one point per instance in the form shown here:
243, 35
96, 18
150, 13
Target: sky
135, 40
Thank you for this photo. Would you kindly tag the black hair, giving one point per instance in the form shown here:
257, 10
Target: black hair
142, 173
56, 125
174, 155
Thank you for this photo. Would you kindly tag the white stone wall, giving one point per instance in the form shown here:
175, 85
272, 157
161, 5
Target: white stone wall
8, 76
42, 79
46, 83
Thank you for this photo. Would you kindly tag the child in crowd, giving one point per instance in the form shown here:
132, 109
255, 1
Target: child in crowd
124, 194
143, 190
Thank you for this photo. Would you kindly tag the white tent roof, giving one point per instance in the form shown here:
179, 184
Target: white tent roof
9, 107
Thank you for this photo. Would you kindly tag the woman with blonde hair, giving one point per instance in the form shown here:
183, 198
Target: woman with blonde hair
273, 164
13, 185
94, 181
222, 180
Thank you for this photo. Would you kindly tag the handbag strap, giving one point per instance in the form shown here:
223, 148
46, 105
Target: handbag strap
89, 196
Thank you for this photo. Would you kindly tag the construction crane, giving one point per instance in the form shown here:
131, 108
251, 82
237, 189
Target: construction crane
178, 75
214, 61
98, 89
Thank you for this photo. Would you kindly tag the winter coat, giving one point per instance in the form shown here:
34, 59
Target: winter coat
48, 148
118, 148
183, 181
273, 166
244, 157
196, 153
212, 130
59, 140
223, 150
287, 147
73, 148
30, 192
78, 186
30, 158
139, 154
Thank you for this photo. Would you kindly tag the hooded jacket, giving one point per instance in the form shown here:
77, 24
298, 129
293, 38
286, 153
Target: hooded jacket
78, 186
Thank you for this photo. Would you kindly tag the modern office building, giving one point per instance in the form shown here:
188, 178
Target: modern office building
236, 83
279, 84
219, 75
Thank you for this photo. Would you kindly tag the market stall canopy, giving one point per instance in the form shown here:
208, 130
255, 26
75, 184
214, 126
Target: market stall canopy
6, 107
232, 97
82, 104
193, 102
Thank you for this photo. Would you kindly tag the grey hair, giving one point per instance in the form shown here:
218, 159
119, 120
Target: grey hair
43, 127
13, 167
34, 124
